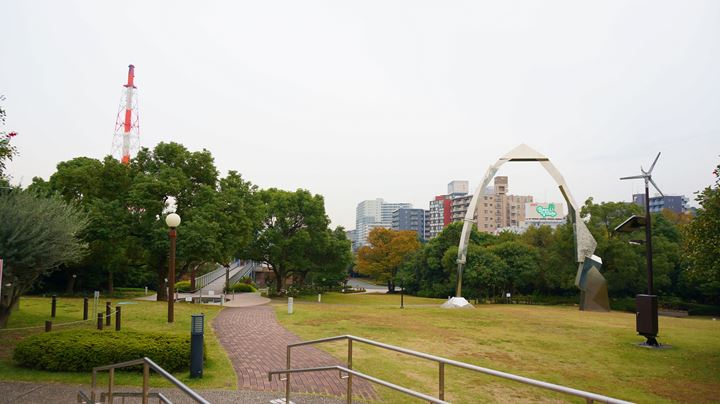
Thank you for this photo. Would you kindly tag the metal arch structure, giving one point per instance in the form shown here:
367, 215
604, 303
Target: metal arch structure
593, 286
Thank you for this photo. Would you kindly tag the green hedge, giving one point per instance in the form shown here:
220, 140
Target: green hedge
242, 288
183, 286
81, 350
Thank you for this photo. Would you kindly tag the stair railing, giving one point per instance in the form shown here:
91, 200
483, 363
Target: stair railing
349, 373
147, 364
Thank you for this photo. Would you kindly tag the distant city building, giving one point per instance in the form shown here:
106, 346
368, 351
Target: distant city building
676, 203
410, 219
427, 225
459, 207
458, 188
445, 209
373, 213
440, 214
351, 235
499, 210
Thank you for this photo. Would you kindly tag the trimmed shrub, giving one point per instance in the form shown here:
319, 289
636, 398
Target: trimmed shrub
242, 288
81, 350
183, 286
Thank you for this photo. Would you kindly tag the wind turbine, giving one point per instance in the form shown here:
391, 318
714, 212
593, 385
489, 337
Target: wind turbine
647, 319
647, 176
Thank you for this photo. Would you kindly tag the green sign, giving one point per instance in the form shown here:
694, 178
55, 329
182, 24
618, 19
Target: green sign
546, 212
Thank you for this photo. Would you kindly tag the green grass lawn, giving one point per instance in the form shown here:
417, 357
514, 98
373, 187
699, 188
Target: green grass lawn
138, 316
584, 350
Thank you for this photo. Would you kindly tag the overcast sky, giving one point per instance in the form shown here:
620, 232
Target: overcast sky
367, 99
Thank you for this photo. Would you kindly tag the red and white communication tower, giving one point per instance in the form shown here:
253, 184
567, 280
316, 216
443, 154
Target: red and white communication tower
127, 124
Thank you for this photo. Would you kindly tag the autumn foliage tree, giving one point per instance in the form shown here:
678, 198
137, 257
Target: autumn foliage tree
387, 251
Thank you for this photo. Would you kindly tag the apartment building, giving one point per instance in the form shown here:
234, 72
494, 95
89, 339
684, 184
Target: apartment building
675, 203
409, 219
373, 213
498, 209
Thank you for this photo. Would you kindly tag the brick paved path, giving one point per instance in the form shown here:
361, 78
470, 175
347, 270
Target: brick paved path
256, 343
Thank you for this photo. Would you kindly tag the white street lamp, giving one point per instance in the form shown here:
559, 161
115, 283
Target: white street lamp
173, 221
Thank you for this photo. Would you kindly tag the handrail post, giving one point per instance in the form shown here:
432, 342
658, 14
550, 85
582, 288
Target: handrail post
111, 382
349, 365
287, 379
441, 381
92, 385
146, 382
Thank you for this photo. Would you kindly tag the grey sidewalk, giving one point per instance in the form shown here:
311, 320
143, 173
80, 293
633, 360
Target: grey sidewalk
51, 393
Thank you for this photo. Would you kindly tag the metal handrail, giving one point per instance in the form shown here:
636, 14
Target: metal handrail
210, 277
147, 364
589, 397
369, 378
248, 268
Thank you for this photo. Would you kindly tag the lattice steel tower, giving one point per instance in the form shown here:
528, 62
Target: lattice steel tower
127, 124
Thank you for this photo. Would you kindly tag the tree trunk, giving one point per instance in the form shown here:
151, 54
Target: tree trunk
110, 285
391, 286
161, 284
8, 302
279, 279
192, 276
70, 285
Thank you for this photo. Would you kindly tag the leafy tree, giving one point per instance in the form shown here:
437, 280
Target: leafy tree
100, 189
290, 222
604, 217
424, 272
522, 265
702, 247
37, 235
485, 274
7, 149
385, 254
166, 177
329, 258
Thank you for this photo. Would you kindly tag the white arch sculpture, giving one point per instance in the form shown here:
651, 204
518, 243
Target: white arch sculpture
589, 280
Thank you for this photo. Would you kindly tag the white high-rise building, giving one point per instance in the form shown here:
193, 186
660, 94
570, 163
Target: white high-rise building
373, 213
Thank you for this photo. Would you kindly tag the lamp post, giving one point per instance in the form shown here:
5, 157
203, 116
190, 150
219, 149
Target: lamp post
173, 221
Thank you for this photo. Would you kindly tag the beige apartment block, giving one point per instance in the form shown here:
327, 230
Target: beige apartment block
497, 209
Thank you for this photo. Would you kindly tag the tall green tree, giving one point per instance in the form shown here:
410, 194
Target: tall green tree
100, 189
169, 178
290, 221
329, 258
702, 246
37, 235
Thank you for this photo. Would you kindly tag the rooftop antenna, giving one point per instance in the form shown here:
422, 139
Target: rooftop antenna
646, 305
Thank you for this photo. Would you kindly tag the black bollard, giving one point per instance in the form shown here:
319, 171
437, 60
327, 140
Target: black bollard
85, 308
54, 304
107, 313
117, 318
99, 322
197, 332
48, 325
